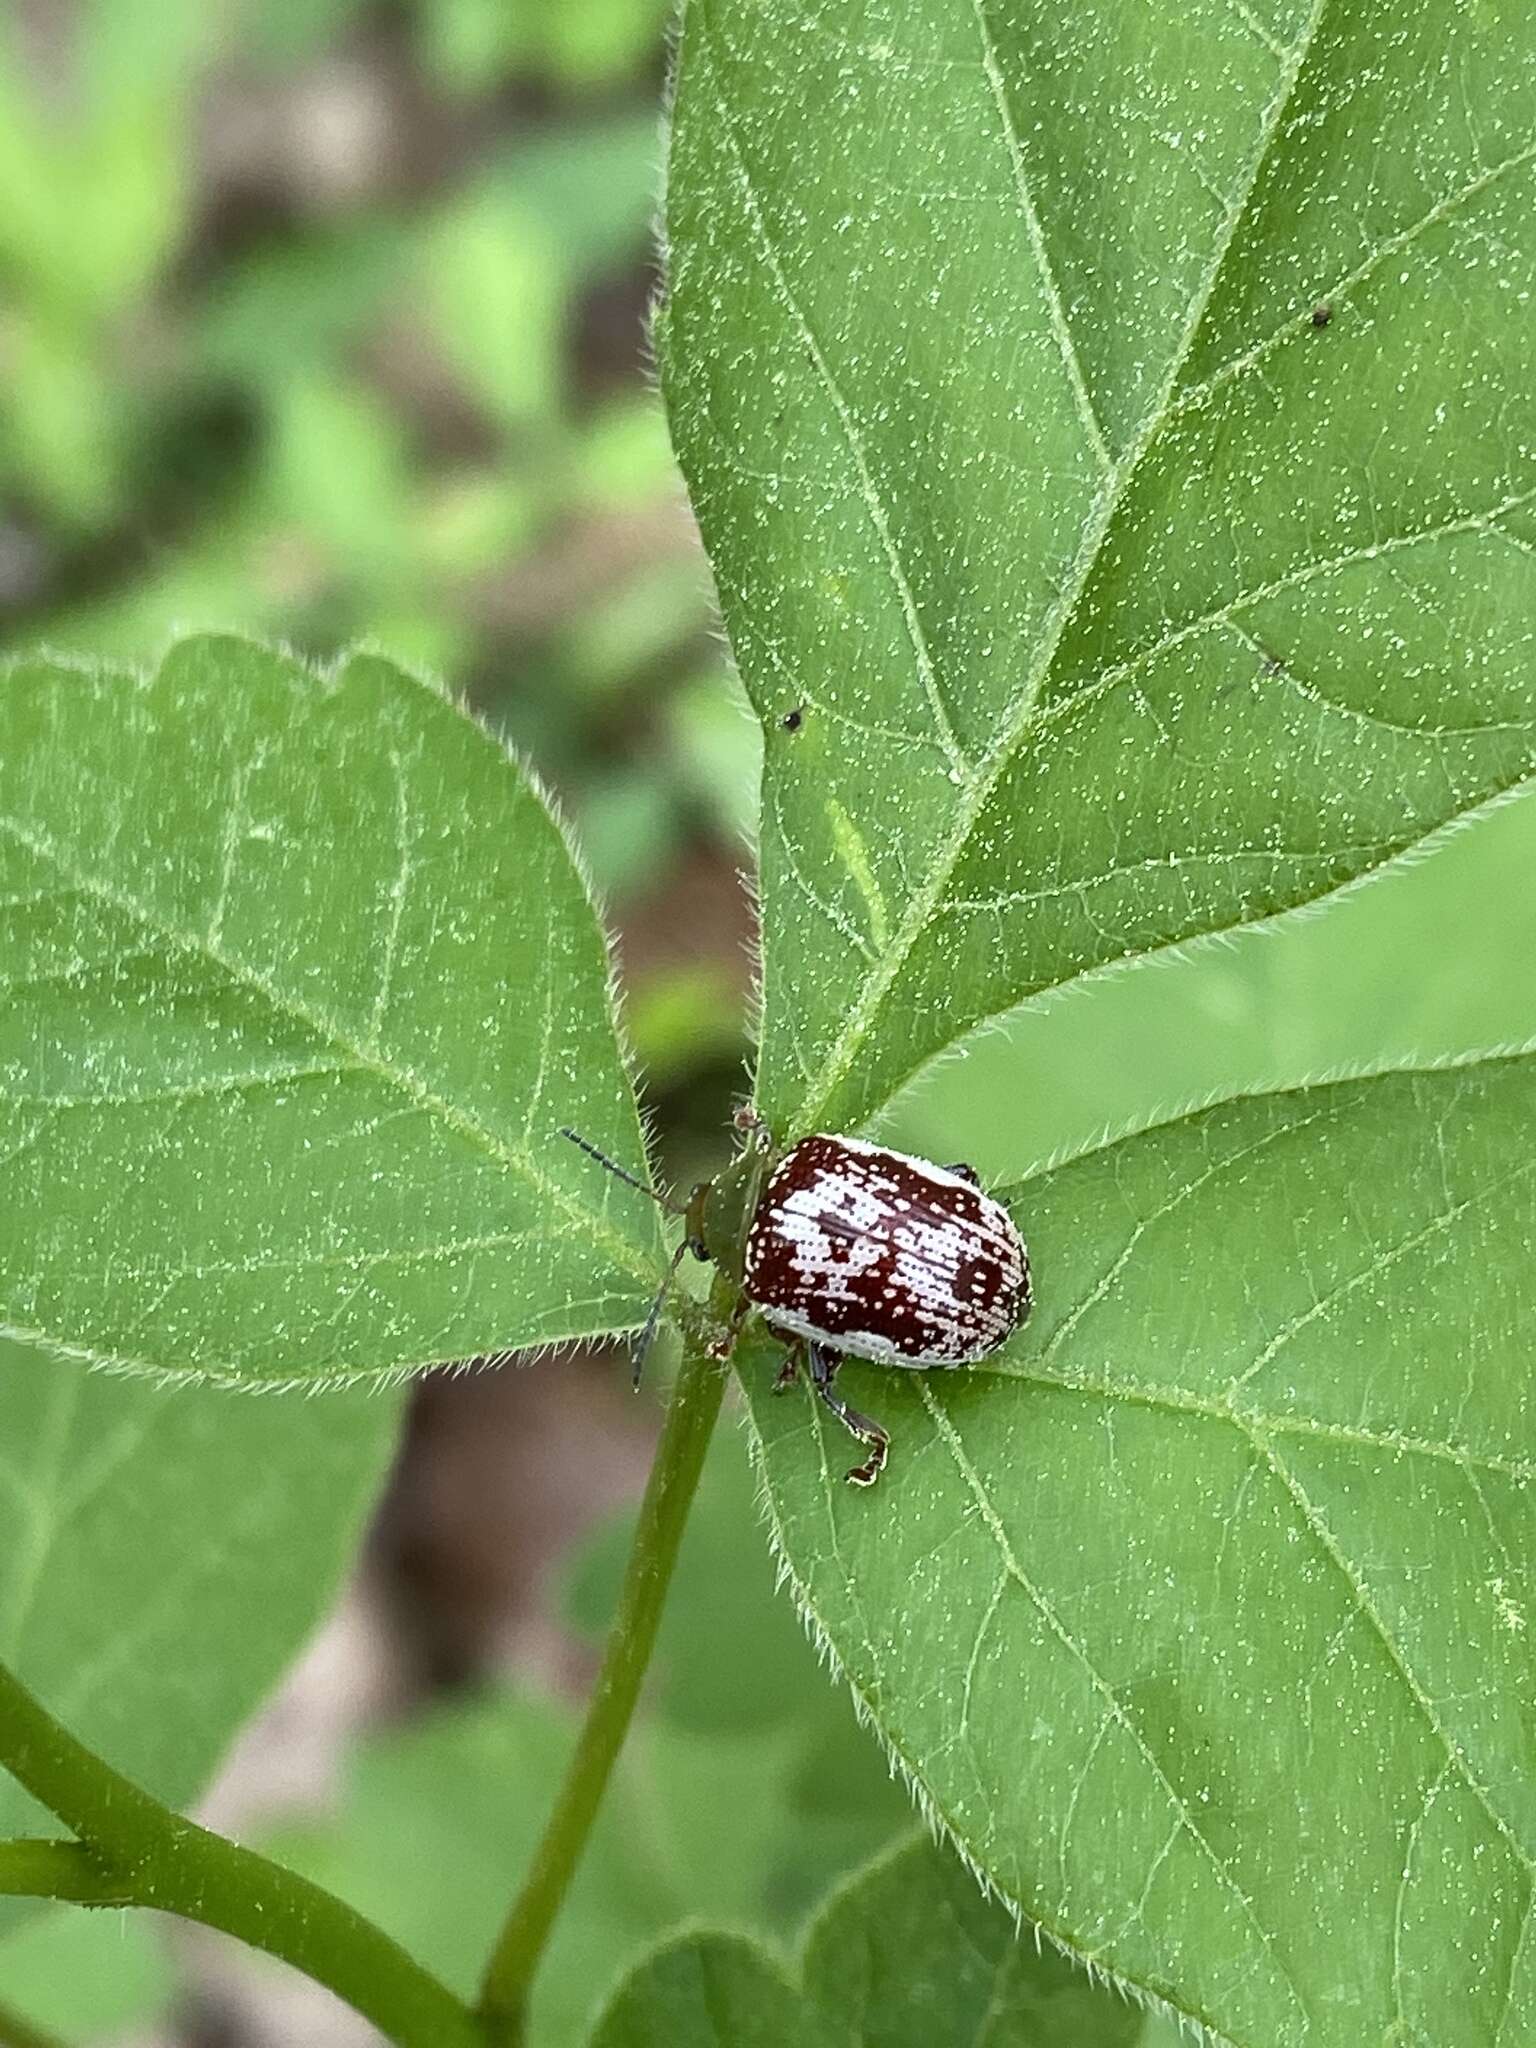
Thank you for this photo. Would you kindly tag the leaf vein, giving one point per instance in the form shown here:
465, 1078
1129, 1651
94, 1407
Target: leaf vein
842, 1051
1331, 1549
364, 1057
1285, 671
874, 504
1182, 1401
1296, 579
1376, 1265
1298, 324
201, 1091
946, 1430
1082, 398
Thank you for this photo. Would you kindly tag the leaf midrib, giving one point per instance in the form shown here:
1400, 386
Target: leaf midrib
1016, 716
359, 1057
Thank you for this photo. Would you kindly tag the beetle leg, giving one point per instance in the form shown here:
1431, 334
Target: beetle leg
824, 1364
789, 1371
725, 1340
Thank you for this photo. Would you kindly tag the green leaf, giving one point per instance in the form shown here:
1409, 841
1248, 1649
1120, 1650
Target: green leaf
300, 982
1122, 601
711, 1991
497, 284
1228, 1562
910, 1953
339, 472
906, 1955
164, 1552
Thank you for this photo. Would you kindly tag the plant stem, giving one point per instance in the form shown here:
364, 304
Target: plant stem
33, 1869
143, 1853
669, 1494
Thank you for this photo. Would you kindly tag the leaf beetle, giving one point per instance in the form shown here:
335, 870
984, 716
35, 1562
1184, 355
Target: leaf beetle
853, 1251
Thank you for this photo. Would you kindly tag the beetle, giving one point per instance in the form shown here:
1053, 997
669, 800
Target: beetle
853, 1251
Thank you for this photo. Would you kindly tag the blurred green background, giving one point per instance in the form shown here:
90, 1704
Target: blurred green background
327, 321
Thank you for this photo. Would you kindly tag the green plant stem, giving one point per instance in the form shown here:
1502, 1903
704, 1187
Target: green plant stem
663, 1513
146, 1855
36, 1869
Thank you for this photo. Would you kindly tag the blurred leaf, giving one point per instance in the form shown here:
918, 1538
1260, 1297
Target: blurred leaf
721, 746
1125, 601
722, 1594
235, 569
743, 1794
474, 520
288, 33
639, 622
85, 1975
163, 1555
1433, 960
733, 1661
592, 184
908, 1954
681, 1018
628, 831
302, 984
138, 52
691, 1824
471, 44
601, 39
711, 1991
92, 181
296, 305
497, 285
60, 429
1228, 1557
339, 473
625, 458
423, 637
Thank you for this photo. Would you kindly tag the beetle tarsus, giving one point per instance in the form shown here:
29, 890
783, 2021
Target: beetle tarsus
824, 1364
867, 1473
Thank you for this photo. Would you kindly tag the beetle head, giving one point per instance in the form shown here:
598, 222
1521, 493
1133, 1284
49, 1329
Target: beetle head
720, 1211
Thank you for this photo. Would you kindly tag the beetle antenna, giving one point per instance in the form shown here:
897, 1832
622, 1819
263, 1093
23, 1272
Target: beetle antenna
620, 1173
647, 1335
